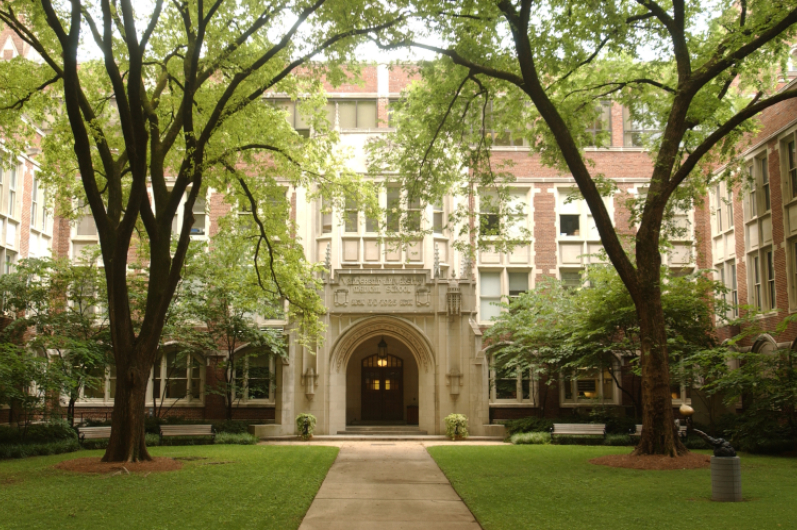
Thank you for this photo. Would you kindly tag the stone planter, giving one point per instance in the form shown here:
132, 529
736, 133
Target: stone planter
726, 479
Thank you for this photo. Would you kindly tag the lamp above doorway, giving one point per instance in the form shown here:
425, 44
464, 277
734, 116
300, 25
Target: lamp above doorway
381, 353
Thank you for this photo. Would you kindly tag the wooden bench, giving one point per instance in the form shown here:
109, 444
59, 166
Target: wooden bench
681, 431
93, 433
578, 429
187, 430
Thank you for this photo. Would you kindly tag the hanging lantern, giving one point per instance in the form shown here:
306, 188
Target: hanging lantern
381, 353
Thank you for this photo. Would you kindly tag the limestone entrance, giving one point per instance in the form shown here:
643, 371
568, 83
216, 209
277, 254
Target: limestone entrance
382, 388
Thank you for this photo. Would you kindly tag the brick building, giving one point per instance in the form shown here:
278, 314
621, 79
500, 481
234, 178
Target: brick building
403, 342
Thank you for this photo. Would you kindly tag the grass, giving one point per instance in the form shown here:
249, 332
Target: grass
555, 487
263, 487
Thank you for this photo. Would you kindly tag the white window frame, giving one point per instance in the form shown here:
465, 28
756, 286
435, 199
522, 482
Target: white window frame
504, 292
108, 394
575, 401
244, 400
519, 400
188, 399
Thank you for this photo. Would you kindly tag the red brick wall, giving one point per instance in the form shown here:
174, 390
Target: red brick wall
401, 76
544, 229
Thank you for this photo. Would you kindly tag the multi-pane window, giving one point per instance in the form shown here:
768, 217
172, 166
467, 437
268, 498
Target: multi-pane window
490, 295
575, 217
770, 262
752, 198
296, 118
326, 216
178, 375
763, 171
12, 192
393, 208
34, 202
357, 114
437, 217
571, 279
601, 125
104, 384
511, 384
588, 386
489, 216
718, 208
791, 161
518, 283
635, 130
200, 217
253, 377
757, 282
350, 216
729, 207
727, 273
734, 288
413, 214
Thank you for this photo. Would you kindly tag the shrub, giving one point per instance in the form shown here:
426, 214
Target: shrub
55, 430
531, 438
456, 426
152, 440
618, 439
305, 425
694, 441
530, 424
230, 438
232, 426
570, 439
36, 449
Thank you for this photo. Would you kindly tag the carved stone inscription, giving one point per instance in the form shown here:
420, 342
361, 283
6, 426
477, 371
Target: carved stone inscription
376, 293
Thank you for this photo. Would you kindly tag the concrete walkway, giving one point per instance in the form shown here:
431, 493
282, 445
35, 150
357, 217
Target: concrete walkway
387, 486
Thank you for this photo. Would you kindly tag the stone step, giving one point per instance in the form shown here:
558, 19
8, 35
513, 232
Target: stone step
383, 432
379, 438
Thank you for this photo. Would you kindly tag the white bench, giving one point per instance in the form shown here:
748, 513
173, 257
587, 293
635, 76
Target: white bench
186, 430
93, 433
681, 431
578, 429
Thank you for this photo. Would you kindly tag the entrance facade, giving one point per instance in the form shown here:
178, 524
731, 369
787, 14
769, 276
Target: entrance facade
382, 389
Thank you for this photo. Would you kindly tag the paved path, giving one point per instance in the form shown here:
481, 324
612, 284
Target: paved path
387, 486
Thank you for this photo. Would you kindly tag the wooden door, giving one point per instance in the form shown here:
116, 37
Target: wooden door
382, 389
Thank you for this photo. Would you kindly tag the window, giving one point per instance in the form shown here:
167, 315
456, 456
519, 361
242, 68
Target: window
350, 216
489, 218
718, 207
752, 196
763, 171
756, 283
178, 375
12, 192
636, 130
104, 387
518, 283
326, 216
791, 151
571, 279
734, 288
253, 377
511, 384
729, 207
500, 137
85, 223
771, 300
589, 386
437, 217
569, 225
357, 114
393, 208
490, 295
34, 202
727, 272
413, 214
601, 125
200, 217
10, 261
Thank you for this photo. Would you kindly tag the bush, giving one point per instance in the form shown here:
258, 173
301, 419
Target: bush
619, 439
42, 433
152, 440
456, 426
305, 425
232, 426
38, 449
694, 441
530, 424
571, 439
531, 438
230, 438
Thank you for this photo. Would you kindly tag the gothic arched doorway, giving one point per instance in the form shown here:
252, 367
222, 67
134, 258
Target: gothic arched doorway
382, 388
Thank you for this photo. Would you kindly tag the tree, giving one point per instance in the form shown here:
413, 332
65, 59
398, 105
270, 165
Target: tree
224, 296
172, 107
556, 330
537, 69
62, 321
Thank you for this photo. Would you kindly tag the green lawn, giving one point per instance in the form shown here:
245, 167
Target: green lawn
264, 487
555, 487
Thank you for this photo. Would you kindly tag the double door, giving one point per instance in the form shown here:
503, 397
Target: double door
382, 389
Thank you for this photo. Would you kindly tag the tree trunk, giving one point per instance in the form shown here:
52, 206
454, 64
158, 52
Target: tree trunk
127, 442
658, 429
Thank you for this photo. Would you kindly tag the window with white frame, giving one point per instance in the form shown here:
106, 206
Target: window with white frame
571, 278
253, 377
350, 217
759, 199
511, 385
761, 264
601, 125
791, 162
178, 375
495, 285
325, 215
103, 387
438, 217
199, 212
636, 130
489, 295
356, 113
728, 278
589, 386
574, 215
